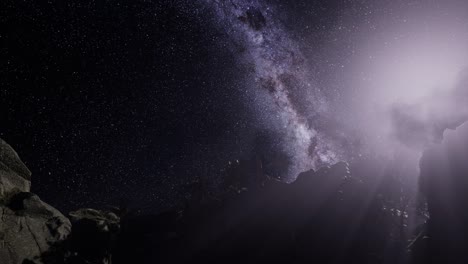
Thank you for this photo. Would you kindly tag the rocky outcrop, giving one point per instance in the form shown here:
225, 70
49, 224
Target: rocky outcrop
336, 214
14, 175
28, 226
104, 221
94, 234
91, 240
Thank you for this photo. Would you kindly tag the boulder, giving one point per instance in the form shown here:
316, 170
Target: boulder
28, 226
14, 175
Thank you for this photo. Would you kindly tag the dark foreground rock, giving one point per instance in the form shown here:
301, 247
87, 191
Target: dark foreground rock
93, 234
325, 216
444, 182
344, 213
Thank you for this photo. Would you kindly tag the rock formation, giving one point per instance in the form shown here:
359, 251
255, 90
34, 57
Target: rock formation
336, 214
28, 226
94, 234
14, 175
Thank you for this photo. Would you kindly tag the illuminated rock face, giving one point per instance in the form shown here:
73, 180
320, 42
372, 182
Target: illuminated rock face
14, 175
28, 226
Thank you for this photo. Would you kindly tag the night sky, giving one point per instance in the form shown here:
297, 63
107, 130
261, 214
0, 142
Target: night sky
111, 102
107, 101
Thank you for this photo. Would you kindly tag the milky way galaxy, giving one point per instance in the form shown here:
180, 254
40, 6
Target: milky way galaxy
281, 78
392, 76
142, 100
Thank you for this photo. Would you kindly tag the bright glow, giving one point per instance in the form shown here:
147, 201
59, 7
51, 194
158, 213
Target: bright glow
413, 68
404, 83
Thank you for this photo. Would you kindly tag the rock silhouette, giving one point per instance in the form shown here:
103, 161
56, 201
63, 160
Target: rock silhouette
444, 182
345, 213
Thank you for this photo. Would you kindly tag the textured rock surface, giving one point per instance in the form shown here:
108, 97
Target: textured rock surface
28, 226
14, 175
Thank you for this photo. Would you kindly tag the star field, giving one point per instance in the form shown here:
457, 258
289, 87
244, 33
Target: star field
110, 103
133, 101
